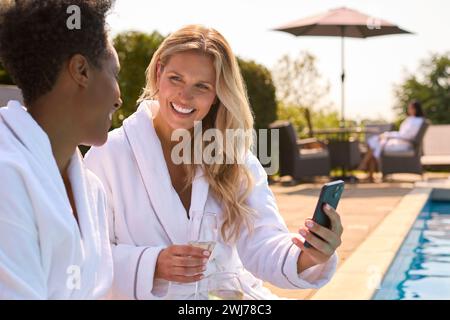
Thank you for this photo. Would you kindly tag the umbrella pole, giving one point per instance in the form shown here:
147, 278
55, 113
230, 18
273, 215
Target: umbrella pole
342, 78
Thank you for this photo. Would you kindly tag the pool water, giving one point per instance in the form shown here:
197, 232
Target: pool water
421, 269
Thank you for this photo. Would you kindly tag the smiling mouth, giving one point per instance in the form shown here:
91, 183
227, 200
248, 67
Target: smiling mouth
183, 110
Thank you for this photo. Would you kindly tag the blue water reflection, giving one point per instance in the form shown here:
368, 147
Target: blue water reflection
421, 269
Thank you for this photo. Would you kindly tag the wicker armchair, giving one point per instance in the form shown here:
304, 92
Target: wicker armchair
300, 158
405, 161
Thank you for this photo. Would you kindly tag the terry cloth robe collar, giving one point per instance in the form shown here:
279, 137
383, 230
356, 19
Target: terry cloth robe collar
34, 140
155, 175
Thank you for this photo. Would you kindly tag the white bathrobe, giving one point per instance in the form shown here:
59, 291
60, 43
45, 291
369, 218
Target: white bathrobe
396, 140
43, 252
146, 216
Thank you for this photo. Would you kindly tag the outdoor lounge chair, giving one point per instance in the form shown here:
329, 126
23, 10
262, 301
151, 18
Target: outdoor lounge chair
300, 158
380, 128
405, 161
436, 147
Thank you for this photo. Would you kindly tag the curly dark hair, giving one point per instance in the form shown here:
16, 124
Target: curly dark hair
35, 40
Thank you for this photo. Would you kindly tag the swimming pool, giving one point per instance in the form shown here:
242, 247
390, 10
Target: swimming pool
421, 269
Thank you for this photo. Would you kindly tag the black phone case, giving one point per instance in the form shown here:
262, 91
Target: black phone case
331, 194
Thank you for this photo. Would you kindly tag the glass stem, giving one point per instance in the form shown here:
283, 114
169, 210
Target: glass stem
196, 291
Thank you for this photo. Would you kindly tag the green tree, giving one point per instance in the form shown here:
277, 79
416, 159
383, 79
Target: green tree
295, 115
431, 86
300, 90
261, 92
4, 76
320, 119
135, 50
299, 83
325, 118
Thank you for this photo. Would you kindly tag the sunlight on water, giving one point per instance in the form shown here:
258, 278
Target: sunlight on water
421, 269
429, 274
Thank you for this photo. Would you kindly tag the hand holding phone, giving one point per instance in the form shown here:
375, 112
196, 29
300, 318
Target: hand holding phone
330, 194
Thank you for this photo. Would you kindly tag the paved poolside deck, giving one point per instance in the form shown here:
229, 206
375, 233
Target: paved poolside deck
363, 207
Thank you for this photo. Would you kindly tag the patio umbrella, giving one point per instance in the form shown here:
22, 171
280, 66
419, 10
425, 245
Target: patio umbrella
341, 22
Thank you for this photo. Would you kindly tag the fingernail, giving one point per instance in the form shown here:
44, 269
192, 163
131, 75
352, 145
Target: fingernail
303, 232
202, 276
206, 253
309, 223
204, 268
204, 261
328, 207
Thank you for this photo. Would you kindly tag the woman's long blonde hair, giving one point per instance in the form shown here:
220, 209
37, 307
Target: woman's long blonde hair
231, 183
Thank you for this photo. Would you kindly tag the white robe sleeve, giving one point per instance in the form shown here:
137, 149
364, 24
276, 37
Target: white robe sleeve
408, 129
134, 266
134, 269
21, 272
268, 251
393, 134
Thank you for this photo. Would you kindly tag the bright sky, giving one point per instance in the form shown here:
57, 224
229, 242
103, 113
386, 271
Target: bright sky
373, 65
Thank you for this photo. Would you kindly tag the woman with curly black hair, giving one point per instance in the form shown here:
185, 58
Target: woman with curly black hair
53, 230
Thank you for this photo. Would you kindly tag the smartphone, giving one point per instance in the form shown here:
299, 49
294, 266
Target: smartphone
331, 193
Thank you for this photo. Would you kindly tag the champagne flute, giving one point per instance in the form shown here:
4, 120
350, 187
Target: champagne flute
225, 286
204, 236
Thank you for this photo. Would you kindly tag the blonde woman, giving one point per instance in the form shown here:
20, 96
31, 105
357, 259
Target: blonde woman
194, 79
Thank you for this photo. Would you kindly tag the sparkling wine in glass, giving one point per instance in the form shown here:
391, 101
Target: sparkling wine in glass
206, 245
224, 286
204, 235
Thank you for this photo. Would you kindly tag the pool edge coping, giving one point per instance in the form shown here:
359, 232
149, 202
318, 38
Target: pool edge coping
359, 277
